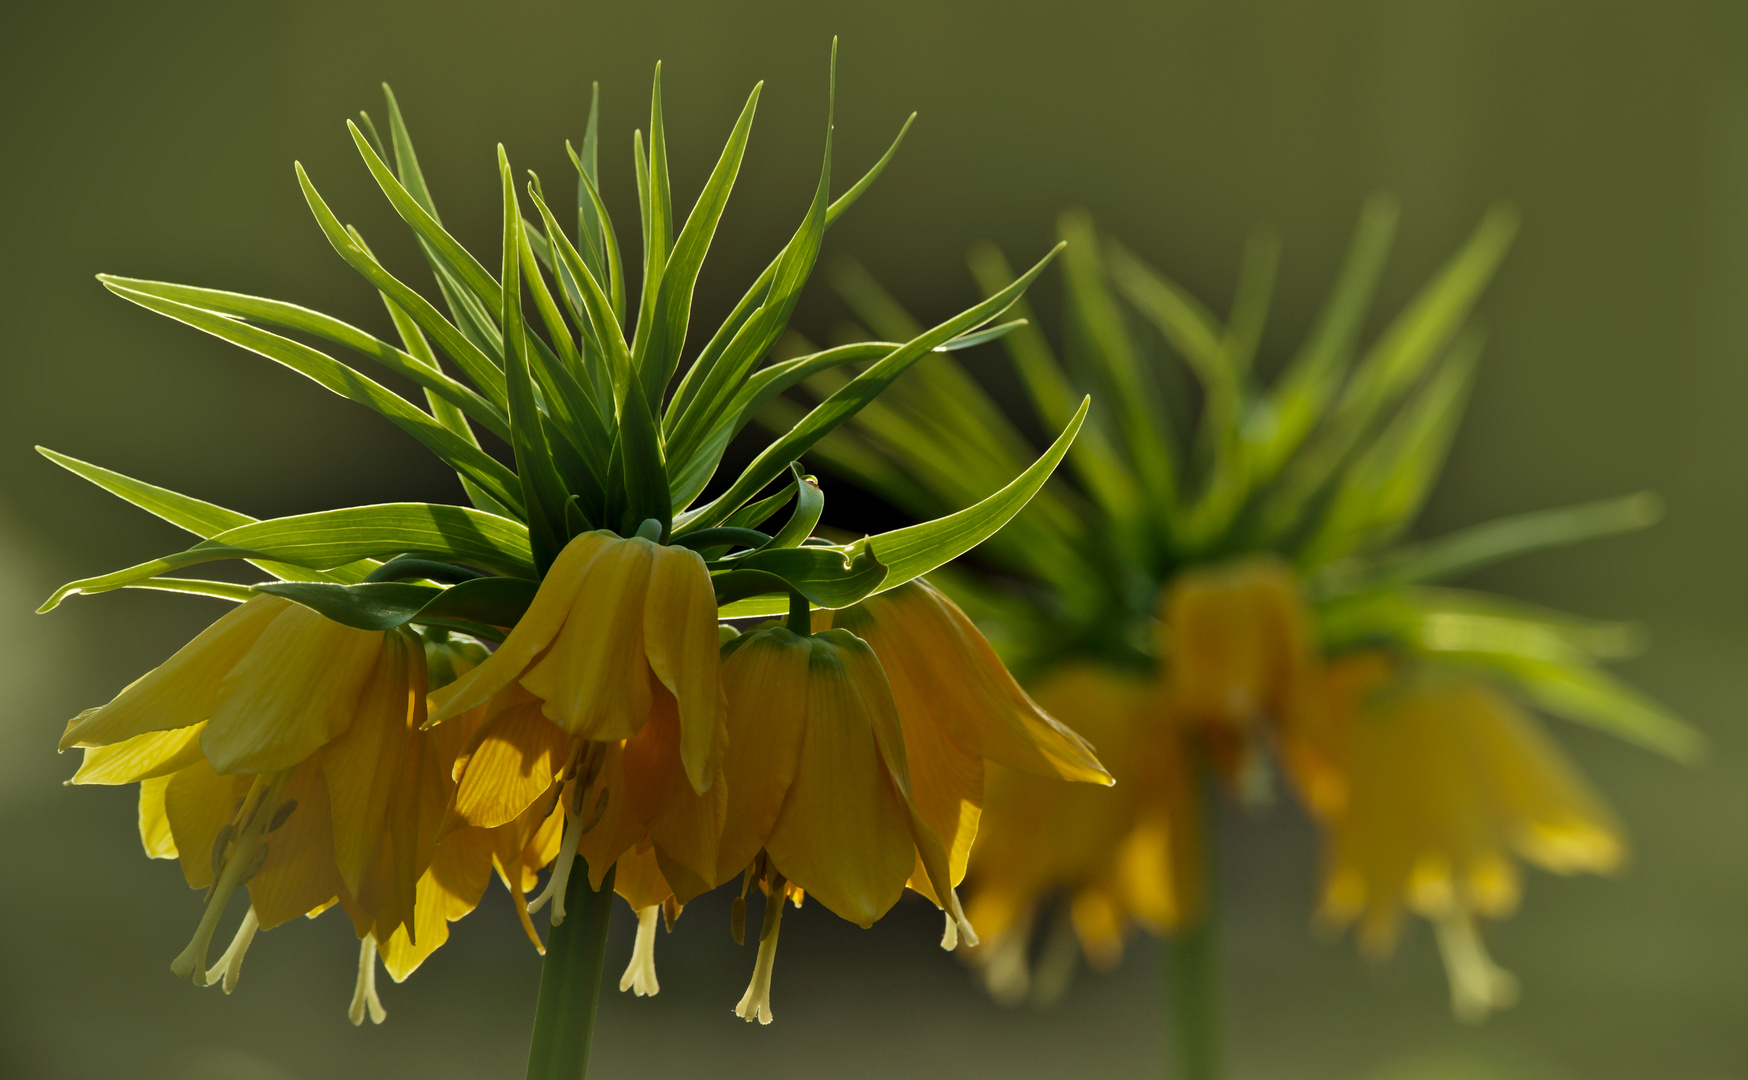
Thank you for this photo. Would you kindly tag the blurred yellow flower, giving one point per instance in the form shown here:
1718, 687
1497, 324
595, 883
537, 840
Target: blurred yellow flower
1430, 787
1128, 853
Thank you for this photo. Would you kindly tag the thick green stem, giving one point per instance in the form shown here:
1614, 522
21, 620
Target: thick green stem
1193, 965
570, 982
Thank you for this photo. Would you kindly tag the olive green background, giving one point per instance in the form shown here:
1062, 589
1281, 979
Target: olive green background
157, 140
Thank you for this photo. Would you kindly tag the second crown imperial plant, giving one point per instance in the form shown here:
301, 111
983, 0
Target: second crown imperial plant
548, 678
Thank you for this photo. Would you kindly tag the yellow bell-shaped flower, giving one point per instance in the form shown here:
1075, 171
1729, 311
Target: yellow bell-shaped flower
1443, 785
1237, 641
959, 708
1129, 853
819, 786
613, 621
282, 752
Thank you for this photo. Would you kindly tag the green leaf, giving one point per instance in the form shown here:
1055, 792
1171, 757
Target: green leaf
333, 538
292, 317
1141, 415
646, 477
222, 590
1416, 338
468, 356
657, 354
203, 519
457, 453
543, 493
754, 338
377, 605
1094, 460
845, 403
492, 601
807, 511
1308, 384
913, 551
590, 237
828, 577
1380, 494
1482, 545
457, 258
1591, 696
698, 373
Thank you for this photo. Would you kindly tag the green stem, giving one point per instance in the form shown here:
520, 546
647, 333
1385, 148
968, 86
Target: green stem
570, 982
1194, 975
1193, 965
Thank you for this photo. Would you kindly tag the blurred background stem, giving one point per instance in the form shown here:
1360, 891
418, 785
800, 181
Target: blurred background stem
570, 982
1192, 970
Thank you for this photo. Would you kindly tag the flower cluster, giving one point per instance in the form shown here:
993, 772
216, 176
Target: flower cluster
557, 675
1240, 604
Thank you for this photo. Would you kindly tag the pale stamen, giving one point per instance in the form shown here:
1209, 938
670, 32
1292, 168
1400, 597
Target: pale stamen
755, 1004
1007, 973
238, 865
364, 991
1478, 985
640, 974
958, 927
561, 870
230, 965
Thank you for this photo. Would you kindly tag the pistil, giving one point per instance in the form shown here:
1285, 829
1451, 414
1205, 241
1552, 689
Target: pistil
640, 974
230, 965
364, 991
239, 864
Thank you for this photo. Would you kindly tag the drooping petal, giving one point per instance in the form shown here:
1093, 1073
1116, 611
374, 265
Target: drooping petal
143, 757
299, 874
639, 879
1238, 638
685, 825
198, 803
594, 680
452, 887
944, 673
680, 641
532, 634
182, 691
767, 723
510, 763
296, 689
363, 766
844, 833
155, 833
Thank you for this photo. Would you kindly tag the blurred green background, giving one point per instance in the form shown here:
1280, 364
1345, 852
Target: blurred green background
157, 140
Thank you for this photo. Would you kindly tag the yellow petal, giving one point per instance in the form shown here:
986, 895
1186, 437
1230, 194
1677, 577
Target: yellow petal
685, 825
182, 691
154, 823
533, 632
765, 680
594, 680
680, 641
299, 874
514, 756
943, 672
844, 833
363, 766
639, 880
451, 888
295, 690
143, 757
198, 803
617, 825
